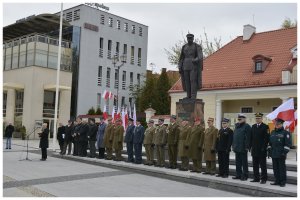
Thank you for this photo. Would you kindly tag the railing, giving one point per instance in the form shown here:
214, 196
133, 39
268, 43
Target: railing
116, 84
123, 85
132, 60
131, 86
109, 54
107, 82
18, 111
99, 81
49, 113
139, 61
101, 53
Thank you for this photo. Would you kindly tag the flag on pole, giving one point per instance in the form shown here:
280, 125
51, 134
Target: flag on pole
285, 111
126, 117
123, 118
291, 124
113, 114
134, 115
104, 112
118, 114
129, 111
105, 94
111, 95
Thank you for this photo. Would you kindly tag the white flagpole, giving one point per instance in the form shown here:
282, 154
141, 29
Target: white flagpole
57, 78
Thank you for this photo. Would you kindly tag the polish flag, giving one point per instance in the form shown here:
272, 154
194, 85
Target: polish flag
113, 114
118, 114
129, 112
285, 111
105, 94
123, 119
134, 115
104, 113
291, 124
111, 95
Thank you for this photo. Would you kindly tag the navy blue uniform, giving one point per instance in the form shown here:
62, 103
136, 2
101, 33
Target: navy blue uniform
138, 138
129, 142
280, 142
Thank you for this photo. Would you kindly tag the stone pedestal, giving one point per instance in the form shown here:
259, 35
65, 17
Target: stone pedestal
191, 109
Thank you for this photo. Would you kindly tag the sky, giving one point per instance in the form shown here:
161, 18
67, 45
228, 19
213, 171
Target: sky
169, 22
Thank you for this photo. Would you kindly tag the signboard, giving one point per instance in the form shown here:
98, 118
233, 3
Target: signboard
91, 27
98, 6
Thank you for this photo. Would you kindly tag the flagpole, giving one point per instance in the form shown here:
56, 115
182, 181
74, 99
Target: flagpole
57, 78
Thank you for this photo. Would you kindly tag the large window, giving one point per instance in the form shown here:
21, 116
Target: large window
126, 27
133, 29
138, 77
116, 78
4, 103
49, 104
109, 49
76, 14
102, 19
118, 24
258, 66
132, 55
108, 77
99, 75
101, 48
110, 22
8, 57
247, 110
131, 81
124, 80
98, 100
19, 102
117, 48
139, 57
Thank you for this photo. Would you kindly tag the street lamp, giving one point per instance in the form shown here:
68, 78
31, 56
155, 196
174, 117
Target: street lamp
115, 60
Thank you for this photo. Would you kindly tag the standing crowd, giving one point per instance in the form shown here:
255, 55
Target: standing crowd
184, 141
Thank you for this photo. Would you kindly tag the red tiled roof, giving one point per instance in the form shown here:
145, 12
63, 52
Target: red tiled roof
232, 65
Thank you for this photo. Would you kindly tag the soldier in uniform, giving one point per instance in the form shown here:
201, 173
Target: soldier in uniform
240, 146
259, 140
160, 140
210, 138
118, 132
173, 134
280, 143
129, 140
185, 130
138, 138
108, 139
194, 142
148, 143
223, 146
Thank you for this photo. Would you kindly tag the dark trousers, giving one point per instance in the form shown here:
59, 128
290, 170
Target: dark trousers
279, 169
76, 149
190, 80
67, 143
92, 148
138, 152
101, 152
44, 153
82, 148
260, 161
129, 147
241, 163
172, 151
223, 160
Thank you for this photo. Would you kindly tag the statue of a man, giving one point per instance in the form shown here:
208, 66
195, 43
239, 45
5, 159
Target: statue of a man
190, 67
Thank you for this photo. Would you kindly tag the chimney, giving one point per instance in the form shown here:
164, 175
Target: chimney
248, 31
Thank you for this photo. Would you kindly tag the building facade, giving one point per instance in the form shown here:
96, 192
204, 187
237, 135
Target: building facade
255, 72
104, 35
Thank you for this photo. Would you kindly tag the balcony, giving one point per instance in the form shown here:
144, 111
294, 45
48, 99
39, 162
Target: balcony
116, 84
139, 61
132, 60
123, 85
101, 53
109, 54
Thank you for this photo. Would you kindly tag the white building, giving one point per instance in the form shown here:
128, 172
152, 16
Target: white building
103, 35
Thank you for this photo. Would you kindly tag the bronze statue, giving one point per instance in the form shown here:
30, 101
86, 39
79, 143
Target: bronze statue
190, 67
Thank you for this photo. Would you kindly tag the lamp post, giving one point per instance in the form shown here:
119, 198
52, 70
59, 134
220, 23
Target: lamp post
115, 60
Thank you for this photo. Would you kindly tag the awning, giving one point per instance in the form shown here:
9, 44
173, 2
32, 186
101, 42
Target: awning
52, 87
43, 23
12, 86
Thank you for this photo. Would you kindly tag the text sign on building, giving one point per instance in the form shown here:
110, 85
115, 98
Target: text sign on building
91, 27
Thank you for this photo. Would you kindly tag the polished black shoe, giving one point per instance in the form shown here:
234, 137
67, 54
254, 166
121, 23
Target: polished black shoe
244, 178
254, 180
225, 176
193, 171
282, 184
205, 173
263, 182
236, 177
274, 183
219, 175
182, 169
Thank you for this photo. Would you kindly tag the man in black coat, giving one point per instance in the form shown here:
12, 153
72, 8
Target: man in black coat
8, 134
259, 139
129, 140
223, 146
138, 138
83, 139
44, 142
69, 130
75, 139
61, 137
92, 137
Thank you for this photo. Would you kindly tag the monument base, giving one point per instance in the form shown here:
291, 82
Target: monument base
190, 109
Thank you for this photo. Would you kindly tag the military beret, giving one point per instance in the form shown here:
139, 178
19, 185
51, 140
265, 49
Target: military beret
211, 119
241, 115
225, 120
174, 116
259, 114
151, 121
189, 35
130, 119
161, 119
278, 120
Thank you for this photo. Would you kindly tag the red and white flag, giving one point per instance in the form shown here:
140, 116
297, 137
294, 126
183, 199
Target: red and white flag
105, 112
123, 118
113, 114
134, 115
285, 111
111, 95
105, 94
118, 114
291, 124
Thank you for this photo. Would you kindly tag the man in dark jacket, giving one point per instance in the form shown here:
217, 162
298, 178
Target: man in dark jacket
8, 134
75, 139
92, 137
100, 138
83, 139
61, 136
258, 144
129, 140
44, 142
223, 146
69, 130
280, 143
138, 138
240, 146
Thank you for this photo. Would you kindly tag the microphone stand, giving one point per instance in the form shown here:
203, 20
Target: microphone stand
27, 145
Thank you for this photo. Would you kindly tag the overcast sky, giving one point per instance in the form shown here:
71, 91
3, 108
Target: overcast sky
168, 22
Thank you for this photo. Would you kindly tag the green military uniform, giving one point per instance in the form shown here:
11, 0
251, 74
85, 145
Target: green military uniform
108, 139
118, 141
173, 134
210, 138
149, 145
194, 142
182, 150
160, 140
